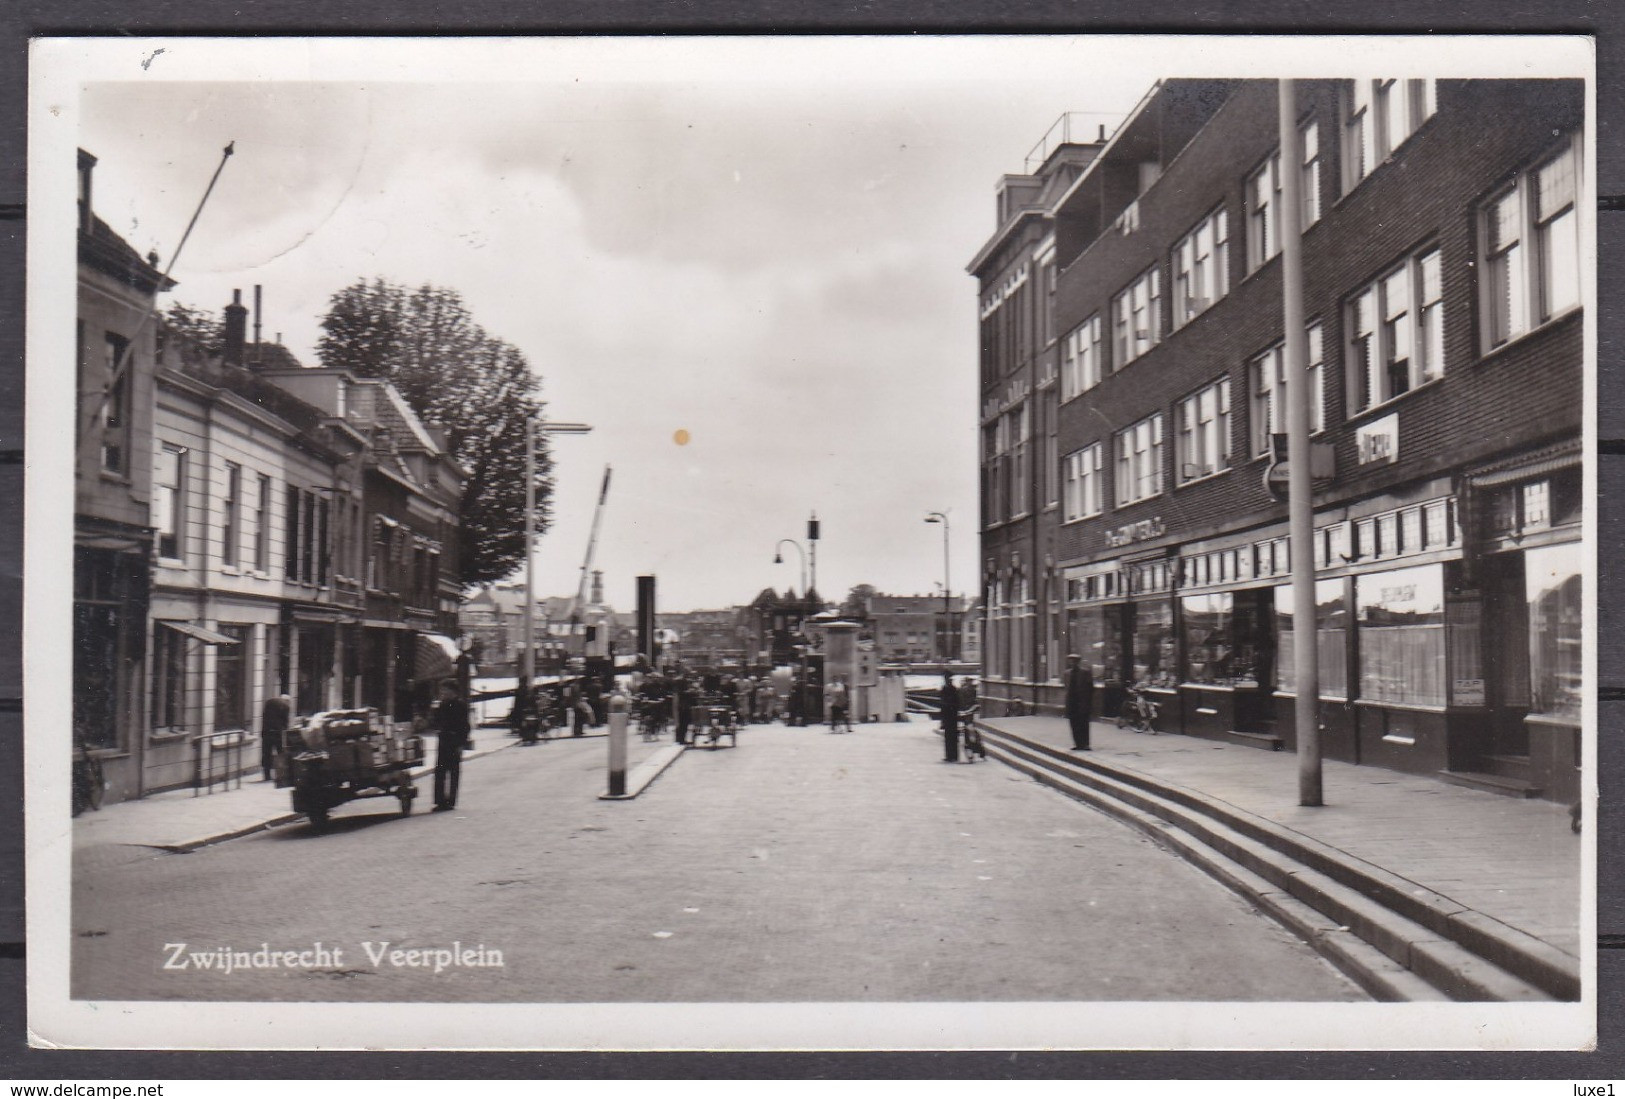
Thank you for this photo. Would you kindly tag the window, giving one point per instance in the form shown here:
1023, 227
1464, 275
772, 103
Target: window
231, 680
115, 417
169, 661
1269, 392
1136, 319
1331, 637
1530, 243
1080, 359
169, 501
262, 526
1264, 199
1401, 623
1046, 316
231, 516
1396, 331
1378, 115
1203, 445
1084, 483
291, 548
1554, 588
1052, 471
1019, 432
1139, 461
1202, 266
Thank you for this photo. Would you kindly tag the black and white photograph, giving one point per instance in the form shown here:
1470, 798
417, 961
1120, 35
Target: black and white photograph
980, 542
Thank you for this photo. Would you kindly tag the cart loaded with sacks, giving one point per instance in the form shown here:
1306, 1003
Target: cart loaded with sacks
340, 755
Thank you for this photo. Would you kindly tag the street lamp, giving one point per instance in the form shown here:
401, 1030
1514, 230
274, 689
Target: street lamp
533, 427
947, 589
778, 559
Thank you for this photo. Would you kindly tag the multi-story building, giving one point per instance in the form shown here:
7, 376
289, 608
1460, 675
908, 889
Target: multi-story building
914, 629
1020, 366
1442, 289
113, 538
305, 530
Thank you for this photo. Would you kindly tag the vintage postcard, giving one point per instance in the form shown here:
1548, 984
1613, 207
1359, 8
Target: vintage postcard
810, 543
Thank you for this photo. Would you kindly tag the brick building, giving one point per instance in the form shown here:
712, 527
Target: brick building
1442, 293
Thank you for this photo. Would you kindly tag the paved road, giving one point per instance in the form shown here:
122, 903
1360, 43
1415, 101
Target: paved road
801, 866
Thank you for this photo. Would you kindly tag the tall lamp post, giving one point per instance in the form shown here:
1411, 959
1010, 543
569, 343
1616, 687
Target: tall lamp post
527, 656
778, 559
947, 589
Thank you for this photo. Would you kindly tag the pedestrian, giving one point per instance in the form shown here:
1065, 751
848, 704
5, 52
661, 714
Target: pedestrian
948, 707
795, 709
450, 723
967, 696
835, 702
766, 701
687, 699
1080, 700
745, 695
274, 718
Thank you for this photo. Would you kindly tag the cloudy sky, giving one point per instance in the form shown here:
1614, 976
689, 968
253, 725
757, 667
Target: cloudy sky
761, 244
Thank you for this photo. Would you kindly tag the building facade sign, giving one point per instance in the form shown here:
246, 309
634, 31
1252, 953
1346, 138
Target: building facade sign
1142, 531
1378, 441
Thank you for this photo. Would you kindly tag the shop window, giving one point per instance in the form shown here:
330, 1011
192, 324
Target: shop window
169, 501
1139, 461
1136, 319
1378, 116
1269, 391
1402, 638
1220, 639
1201, 266
1081, 354
1154, 644
231, 691
1529, 248
1331, 640
1203, 444
1096, 634
1552, 577
170, 659
1396, 331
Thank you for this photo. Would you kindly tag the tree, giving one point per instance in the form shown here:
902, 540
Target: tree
857, 601
457, 376
200, 327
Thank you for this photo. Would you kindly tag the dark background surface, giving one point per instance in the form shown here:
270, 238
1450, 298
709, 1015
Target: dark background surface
22, 19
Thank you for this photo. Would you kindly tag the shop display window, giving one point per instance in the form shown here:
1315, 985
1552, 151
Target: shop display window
1554, 590
1331, 637
1155, 644
1402, 636
1222, 639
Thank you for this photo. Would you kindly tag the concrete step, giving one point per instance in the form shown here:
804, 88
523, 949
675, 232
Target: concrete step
1268, 741
1509, 766
1435, 941
1491, 783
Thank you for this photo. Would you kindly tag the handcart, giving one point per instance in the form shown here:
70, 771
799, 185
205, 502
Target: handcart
340, 755
711, 721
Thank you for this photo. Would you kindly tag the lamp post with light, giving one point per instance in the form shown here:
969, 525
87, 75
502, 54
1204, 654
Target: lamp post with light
947, 589
527, 657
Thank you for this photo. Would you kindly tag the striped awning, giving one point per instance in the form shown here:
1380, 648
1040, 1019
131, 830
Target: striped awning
1564, 455
435, 657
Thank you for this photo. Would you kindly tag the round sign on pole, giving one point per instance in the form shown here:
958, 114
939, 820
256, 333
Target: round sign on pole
1276, 477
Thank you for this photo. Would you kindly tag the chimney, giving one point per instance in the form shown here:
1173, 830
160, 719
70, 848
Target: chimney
256, 322
87, 166
1103, 133
236, 329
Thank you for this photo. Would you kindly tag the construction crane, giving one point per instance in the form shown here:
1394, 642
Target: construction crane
586, 565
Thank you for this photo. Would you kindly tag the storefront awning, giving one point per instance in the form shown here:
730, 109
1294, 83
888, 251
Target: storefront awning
201, 633
1562, 456
435, 657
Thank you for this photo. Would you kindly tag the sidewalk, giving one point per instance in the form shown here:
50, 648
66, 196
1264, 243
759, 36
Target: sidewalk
179, 821
1512, 859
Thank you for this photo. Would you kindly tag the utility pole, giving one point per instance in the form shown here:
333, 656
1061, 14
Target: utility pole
1300, 505
947, 590
527, 657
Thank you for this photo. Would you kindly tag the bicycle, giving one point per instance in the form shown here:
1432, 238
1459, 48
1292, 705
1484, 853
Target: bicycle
970, 738
89, 783
1139, 713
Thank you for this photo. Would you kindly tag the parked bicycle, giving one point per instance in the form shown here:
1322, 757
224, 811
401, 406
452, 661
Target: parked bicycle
1139, 711
970, 737
89, 784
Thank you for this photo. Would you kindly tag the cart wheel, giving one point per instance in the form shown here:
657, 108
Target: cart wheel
406, 797
318, 818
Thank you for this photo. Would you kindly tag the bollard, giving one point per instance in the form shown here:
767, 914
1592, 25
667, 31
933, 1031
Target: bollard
618, 717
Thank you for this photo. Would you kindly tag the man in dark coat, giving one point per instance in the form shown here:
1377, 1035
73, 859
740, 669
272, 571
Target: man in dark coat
450, 722
1080, 700
274, 718
948, 701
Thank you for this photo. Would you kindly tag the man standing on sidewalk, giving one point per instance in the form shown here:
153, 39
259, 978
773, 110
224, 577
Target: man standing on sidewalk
274, 718
450, 722
1080, 700
948, 701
